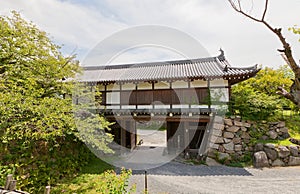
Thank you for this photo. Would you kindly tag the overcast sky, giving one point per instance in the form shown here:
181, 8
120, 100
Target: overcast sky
79, 25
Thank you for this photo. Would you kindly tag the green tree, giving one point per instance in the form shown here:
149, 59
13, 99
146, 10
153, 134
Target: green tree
256, 98
293, 94
38, 140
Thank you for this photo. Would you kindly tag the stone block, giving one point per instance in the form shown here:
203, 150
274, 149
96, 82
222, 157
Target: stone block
237, 148
285, 135
217, 132
283, 151
233, 129
271, 153
237, 118
260, 160
269, 145
218, 119
243, 128
273, 123
294, 150
218, 126
236, 140
278, 162
272, 134
228, 122
224, 156
246, 124
221, 149
258, 147
238, 123
246, 141
214, 146
229, 146
228, 135
211, 153
215, 139
245, 135
294, 161
226, 140
281, 124
230, 151
284, 130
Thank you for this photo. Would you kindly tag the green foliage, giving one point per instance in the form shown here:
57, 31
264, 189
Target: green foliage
295, 30
256, 98
107, 182
38, 141
91, 127
241, 161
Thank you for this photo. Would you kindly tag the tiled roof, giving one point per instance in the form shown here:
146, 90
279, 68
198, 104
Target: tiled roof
202, 68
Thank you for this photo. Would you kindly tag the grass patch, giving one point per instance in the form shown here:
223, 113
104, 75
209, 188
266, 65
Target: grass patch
96, 166
284, 142
195, 162
293, 124
240, 164
96, 177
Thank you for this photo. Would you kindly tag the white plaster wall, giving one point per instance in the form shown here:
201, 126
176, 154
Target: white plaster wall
144, 106
161, 106
128, 106
219, 82
144, 86
199, 106
101, 87
162, 85
179, 84
198, 83
113, 87
113, 107
180, 106
113, 97
128, 86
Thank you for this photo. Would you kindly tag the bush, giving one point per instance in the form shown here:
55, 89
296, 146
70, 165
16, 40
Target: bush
256, 98
107, 182
39, 163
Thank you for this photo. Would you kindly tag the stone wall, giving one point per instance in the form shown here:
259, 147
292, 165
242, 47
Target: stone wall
266, 155
233, 138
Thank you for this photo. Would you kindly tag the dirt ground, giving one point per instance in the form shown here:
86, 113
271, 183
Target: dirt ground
176, 177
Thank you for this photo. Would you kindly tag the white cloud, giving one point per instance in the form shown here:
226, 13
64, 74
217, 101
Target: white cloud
70, 24
82, 24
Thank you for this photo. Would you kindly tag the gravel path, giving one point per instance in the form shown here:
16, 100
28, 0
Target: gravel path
176, 177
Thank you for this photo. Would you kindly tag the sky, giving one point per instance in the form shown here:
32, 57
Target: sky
80, 26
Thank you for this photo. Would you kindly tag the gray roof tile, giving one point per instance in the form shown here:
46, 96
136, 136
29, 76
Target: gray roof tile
202, 68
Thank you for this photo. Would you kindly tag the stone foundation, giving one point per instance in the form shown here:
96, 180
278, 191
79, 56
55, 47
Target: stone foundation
266, 155
233, 138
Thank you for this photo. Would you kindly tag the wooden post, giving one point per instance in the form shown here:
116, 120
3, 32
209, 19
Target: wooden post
12, 185
186, 136
123, 136
9, 178
146, 183
47, 189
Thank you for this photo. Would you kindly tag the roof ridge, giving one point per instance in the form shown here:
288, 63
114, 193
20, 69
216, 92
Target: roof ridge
245, 68
149, 64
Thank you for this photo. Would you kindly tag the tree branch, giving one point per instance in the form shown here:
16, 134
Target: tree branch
281, 91
265, 11
277, 31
